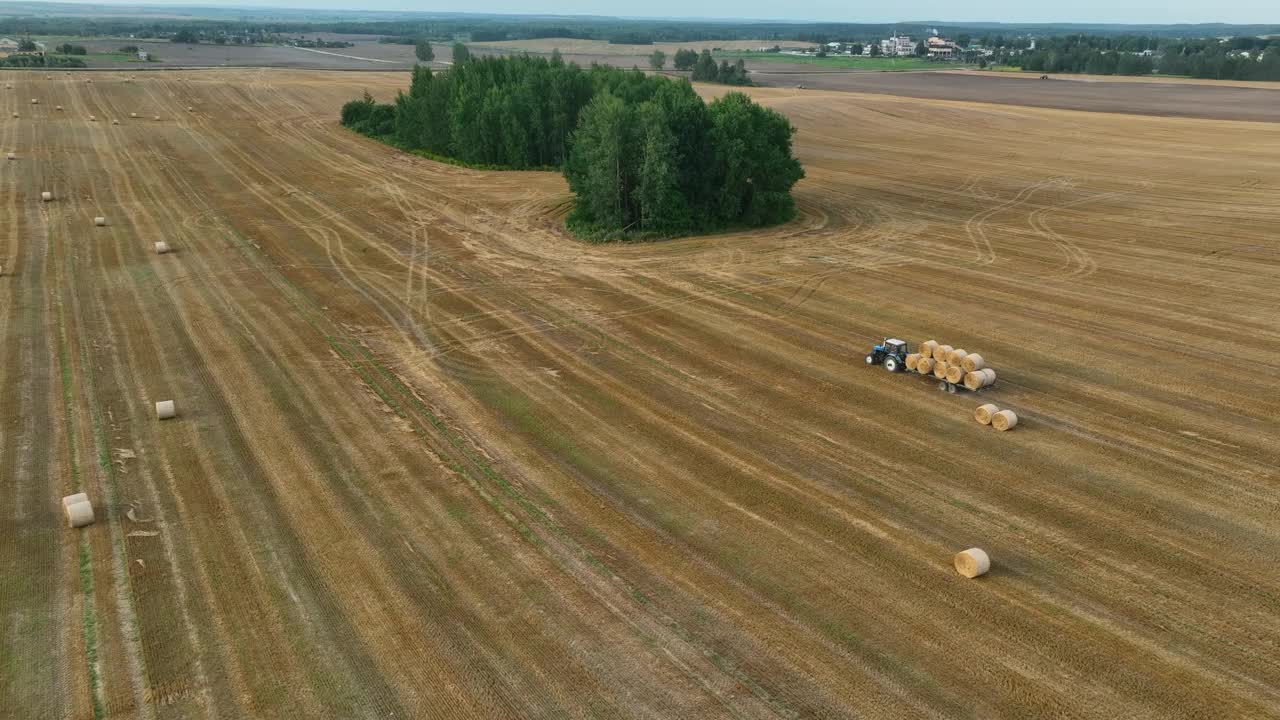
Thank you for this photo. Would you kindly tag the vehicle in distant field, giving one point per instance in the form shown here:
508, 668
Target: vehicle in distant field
892, 354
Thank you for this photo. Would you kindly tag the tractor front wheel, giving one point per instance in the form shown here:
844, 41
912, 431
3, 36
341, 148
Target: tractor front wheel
871, 359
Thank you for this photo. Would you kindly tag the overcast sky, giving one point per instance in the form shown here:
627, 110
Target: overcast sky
1126, 11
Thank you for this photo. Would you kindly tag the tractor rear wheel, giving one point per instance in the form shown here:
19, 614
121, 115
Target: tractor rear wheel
891, 364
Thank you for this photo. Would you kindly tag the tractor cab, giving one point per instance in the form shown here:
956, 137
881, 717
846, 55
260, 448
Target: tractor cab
892, 353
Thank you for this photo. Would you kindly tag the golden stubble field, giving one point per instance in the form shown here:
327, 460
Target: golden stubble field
435, 459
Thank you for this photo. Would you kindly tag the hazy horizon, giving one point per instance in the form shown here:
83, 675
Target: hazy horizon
1166, 12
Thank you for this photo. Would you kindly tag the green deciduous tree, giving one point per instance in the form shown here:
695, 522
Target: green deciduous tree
460, 54
753, 164
705, 69
422, 50
685, 59
657, 60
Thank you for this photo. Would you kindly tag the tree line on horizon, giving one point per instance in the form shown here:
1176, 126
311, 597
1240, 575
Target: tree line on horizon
644, 155
1240, 58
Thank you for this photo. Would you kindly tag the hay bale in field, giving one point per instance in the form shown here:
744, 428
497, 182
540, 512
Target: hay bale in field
975, 380
990, 375
133, 115
58, 108
926, 348
12, 156
940, 369
191, 109
162, 248
46, 196
157, 117
940, 352
115, 122
35, 101
924, 365
15, 115
72, 499
166, 410
955, 356
955, 374
100, 221
79, 514
912, 360
973, 362
972, 562
1004, 420
984, 412
93, 118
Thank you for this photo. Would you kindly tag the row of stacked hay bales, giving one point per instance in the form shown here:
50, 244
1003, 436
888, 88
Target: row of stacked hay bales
955, 365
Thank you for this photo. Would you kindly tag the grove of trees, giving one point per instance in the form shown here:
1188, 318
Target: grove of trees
705, 69
645, 156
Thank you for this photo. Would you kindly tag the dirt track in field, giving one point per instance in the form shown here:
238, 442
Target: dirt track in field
435, 459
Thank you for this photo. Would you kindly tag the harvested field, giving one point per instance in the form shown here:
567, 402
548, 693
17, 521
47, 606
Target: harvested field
1211, 99
435, 459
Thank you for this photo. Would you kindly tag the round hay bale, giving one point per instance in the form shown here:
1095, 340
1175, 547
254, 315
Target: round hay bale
1004, 420
940, 352
12, 156
926, 348
972, 562
191, 109
955, 356
58, 108
35, 101
975, 380
100, 221
80, 514
912, 360
973, 362
940, 369
115, 122
157, 117
924, 365
46, 196
165, 410
93, 118
990, 375
984, 412
162, 248
15, 115
955, 374
72, 499
133, 115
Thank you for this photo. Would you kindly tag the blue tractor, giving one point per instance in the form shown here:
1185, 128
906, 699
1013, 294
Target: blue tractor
892, 353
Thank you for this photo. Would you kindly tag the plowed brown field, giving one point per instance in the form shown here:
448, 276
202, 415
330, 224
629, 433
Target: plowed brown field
435, 459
